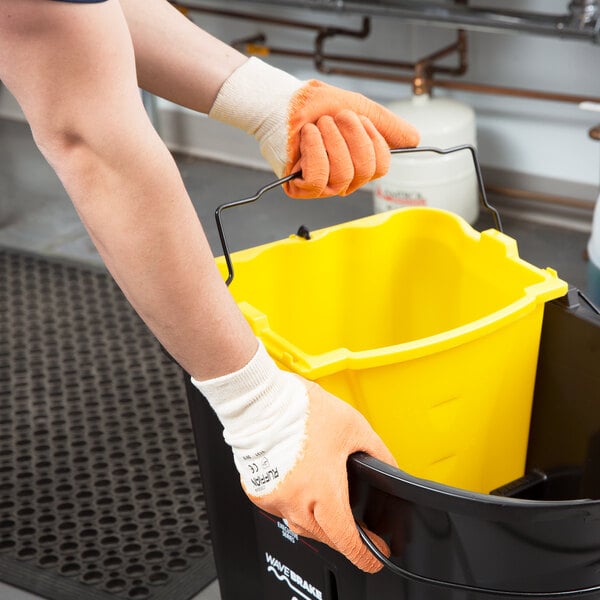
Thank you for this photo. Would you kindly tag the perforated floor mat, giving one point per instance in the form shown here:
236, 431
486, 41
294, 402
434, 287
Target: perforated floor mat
100, 493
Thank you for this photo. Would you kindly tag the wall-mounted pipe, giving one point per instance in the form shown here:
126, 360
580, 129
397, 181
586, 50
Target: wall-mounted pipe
347, 65
580, 22
423, 70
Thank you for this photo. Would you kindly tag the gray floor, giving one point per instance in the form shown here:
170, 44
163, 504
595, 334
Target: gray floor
36, 215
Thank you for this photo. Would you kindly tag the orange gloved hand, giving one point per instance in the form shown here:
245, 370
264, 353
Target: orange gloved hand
339, 140
314, 496
291, 441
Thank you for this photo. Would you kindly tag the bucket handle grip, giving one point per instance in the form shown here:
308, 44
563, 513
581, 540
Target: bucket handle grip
219, 210
406, 574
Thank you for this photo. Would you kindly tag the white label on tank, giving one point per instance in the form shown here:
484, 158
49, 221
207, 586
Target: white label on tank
398, 197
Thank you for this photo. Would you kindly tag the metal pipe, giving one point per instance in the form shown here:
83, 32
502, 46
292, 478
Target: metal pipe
468, 86
482, 88
460, 46
425, 68
540, 197
584, 12
581, 23
257, 45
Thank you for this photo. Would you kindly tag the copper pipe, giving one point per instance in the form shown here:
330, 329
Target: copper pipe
256, 46
258, 43
362, 60
595, 132
468, 86
320, 56
422, 83
425, 68
369, 74
372, 62
483, 88
460, 46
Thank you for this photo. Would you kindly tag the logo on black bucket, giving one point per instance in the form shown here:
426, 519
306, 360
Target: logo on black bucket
297, 583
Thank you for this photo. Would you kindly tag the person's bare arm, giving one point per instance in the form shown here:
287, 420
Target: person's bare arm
175, 58
71, 67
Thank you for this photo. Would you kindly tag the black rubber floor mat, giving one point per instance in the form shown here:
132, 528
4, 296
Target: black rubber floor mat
100, 492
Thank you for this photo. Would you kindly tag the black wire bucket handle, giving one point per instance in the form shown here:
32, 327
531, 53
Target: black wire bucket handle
274, 184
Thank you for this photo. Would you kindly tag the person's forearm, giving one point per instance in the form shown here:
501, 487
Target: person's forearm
149, 236
83, 104
175, 59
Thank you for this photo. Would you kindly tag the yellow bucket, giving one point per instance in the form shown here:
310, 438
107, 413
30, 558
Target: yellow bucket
428, 327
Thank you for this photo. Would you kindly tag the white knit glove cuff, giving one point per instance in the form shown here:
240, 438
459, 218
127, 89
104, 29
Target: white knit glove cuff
263, 410
255, 98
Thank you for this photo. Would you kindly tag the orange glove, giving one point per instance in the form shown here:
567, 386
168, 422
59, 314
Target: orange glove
340, 140
313, 498
291, 441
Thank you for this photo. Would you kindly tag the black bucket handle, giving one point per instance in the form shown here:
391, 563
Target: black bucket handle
482, 195
463, 587
396, 482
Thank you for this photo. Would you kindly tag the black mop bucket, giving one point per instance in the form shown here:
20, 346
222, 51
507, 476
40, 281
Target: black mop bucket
537, 537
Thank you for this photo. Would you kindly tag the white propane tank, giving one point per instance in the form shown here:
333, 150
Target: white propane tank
594, 257
445, 181
593, 248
